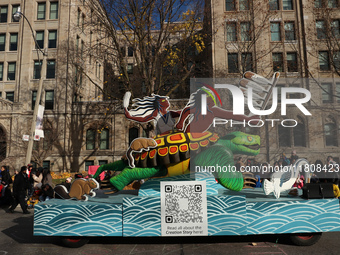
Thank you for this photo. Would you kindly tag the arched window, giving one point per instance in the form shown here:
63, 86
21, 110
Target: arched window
331, 135
299, 133
133, 134
284, 136
90, 139
3, 144
104, 139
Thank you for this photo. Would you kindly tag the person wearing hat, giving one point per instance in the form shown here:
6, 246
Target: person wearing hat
20, 186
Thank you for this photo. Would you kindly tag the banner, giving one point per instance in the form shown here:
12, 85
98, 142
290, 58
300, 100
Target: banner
39, 124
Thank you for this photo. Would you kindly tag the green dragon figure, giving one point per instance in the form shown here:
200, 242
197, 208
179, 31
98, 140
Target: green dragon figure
172, 156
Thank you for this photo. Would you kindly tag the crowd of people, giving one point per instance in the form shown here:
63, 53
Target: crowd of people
327, 172
28, 183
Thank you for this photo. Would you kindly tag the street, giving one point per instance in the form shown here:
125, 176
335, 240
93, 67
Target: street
17, 238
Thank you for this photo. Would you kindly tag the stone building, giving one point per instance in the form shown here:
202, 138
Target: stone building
68, 94
298, 38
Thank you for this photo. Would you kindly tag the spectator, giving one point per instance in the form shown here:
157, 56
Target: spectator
258, 181
284, 159
37, 178
47, 192
47, 177
239, 163
293, 156
6, 194
20, 187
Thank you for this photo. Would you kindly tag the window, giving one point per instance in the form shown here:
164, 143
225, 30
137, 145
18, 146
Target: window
88, 163
299, 133
133, 133
3, 14
90, 139
284, 136
2, 42
233, 63
104, 139
287, 4
123, 51
1, 71
14, 10
337, 91
231, 32
336, 60
274, 5
130, 68
49, 100
332, 4
34, 98
11, 71
230, 5
245, 31
289, 31
327, 95
52, 39
41, 11
318, 3
244, 5
324, 61
102, 162
331, 134
50, 72
36, 71
13, 46
83, 23
10, 96
320, 29
78, 17
47, 164
247, 61
54, 10
39, 37
292, 62
335, 28
130, 52
275, 31
277, 62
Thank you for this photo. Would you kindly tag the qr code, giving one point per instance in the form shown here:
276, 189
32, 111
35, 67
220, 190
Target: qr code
183, 203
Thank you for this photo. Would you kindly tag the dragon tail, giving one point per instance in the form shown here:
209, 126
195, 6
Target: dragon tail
115, 166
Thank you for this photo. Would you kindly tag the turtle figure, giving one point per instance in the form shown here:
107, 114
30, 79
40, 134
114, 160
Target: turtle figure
175, 151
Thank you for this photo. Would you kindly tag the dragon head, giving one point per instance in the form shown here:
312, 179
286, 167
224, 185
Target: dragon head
241, 143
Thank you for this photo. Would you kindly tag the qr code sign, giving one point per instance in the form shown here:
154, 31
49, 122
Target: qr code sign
183, 204
184, 208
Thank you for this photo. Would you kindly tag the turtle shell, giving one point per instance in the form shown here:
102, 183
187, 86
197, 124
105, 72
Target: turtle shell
174, 148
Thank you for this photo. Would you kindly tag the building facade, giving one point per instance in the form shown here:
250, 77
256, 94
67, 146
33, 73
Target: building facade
62, 30
299, 39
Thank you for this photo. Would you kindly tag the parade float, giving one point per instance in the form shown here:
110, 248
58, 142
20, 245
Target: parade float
189, 184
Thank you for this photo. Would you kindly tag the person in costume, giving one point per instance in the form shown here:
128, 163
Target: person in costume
153, 108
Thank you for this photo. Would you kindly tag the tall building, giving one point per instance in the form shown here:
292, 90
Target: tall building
299, 39
62, 30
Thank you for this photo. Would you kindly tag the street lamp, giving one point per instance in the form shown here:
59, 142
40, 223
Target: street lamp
17, 16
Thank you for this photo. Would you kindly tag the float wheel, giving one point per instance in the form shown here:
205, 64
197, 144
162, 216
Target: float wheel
305, 239
74, 242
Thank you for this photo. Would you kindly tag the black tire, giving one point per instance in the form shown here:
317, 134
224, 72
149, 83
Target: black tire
74, 241
306, 239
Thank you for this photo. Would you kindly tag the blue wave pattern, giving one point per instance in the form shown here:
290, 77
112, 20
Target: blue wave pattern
142, 216
76, 218
227, 215
320, 215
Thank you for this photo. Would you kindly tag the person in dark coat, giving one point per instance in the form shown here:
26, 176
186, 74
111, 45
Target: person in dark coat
20, 186
6, 194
